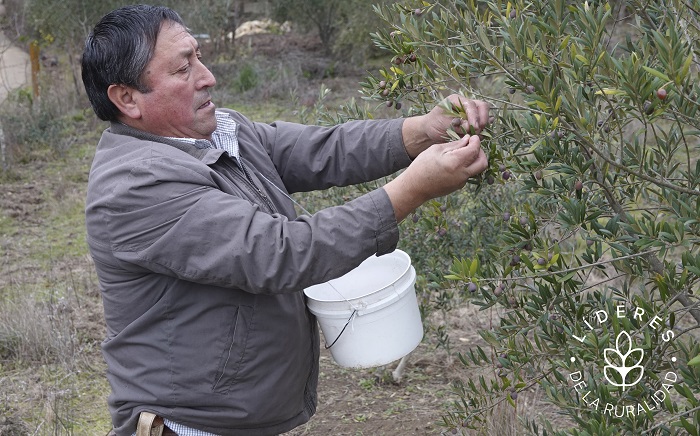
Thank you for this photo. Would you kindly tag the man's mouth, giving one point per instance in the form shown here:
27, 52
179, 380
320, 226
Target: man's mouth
205, 104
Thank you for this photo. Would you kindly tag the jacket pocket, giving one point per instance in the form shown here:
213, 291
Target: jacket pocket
234, 353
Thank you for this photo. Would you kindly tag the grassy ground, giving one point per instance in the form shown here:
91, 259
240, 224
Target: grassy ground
51, 373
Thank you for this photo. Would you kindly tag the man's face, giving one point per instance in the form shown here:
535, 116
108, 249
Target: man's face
179, 104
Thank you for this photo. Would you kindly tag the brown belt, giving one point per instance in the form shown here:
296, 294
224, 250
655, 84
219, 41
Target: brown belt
152, 425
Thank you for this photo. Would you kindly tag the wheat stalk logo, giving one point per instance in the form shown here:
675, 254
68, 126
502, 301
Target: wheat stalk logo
623, 360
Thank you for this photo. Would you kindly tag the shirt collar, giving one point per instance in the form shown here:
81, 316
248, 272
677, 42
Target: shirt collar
225, 137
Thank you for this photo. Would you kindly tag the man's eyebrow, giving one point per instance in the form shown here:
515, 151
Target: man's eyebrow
189, 51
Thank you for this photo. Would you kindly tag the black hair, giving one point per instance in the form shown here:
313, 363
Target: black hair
118, 50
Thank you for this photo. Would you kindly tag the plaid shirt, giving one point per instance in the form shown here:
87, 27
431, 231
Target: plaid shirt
224, 137
181, 430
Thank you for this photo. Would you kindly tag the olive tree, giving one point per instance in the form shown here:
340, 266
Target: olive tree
596, 271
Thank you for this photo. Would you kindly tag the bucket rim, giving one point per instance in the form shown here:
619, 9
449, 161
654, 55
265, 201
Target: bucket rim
401, 276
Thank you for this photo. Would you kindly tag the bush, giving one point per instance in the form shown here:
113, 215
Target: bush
32, 127
247, 78
596, 268
43, 126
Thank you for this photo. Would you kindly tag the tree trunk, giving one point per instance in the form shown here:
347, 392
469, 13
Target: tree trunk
71, 62
235, 17
3, 151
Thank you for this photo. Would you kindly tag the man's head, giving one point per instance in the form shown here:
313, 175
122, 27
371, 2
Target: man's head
141, 67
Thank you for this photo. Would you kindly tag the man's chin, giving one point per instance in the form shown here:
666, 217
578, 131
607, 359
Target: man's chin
208, 123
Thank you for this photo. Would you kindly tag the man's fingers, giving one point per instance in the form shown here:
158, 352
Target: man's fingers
465, 151
457, 144
477, 113
478, 165
473, 116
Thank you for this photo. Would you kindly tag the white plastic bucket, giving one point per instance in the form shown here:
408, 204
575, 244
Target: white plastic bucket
369, 317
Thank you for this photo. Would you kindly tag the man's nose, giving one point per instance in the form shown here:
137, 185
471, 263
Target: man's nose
206, 79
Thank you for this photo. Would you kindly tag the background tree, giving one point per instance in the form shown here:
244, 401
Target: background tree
597, 129
352, 43
327, 16
63, 26
67, 23
217, 18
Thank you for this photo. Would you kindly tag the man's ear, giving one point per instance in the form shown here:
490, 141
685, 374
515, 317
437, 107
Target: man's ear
123, 98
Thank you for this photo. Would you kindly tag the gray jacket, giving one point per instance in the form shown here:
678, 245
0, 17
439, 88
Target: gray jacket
202, 266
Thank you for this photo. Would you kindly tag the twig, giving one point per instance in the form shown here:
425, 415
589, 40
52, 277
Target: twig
650, 429
665, 184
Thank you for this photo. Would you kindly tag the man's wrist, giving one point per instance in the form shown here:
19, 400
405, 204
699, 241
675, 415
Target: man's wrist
403, 197
415, 139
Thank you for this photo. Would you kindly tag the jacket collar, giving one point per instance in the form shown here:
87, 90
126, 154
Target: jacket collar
206, 153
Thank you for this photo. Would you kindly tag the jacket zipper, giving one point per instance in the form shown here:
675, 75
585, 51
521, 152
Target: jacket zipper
248, 180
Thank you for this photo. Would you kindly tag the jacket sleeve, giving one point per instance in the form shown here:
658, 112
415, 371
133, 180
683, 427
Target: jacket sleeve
314, 157
169, 217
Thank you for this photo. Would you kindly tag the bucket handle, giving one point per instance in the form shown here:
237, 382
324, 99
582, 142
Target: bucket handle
352, 315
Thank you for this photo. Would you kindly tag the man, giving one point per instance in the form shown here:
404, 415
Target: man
200, 256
